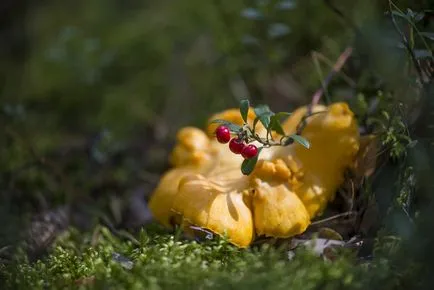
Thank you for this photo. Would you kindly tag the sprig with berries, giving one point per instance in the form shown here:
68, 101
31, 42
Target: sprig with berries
240, 137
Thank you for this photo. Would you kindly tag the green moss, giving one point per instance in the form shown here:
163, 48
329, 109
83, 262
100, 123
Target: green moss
162, 262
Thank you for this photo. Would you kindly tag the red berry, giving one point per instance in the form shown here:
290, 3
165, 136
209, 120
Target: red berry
249, 151
236, 145
223, 134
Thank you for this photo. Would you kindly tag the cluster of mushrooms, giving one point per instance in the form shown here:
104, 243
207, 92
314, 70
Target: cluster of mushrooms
289, 186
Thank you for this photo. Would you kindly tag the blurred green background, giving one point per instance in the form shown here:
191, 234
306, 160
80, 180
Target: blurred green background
93, 92
98, 85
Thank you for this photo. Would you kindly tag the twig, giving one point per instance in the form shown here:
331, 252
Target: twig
345, 214
336, 68
320, 74
329, 63
317, 96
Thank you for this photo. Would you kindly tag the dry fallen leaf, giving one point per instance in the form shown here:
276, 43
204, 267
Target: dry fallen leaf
366, 159
318, 245
365, 164
328, 233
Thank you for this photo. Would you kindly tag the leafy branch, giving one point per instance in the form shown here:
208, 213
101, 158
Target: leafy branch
271, 122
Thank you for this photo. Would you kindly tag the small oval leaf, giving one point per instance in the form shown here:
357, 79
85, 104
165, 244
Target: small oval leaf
255, 122
300, 140
232, 127
329, 234
244, 109
265, 120
422, 53
261, 109
264, 113
276, 126
249, 164
219, 121
283, 114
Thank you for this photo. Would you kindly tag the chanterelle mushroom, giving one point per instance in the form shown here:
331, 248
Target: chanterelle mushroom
217, 204
296, 184
196, 152
289, 186
192, 153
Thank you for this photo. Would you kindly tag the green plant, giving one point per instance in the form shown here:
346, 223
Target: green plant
272, 123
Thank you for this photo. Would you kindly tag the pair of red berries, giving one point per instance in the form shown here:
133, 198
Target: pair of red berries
236, 145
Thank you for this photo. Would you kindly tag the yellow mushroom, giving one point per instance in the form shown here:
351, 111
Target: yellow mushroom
298, 182
278, 212
334, 143
195, 152
161, 201
192, 153
220, 207
289, 186
192, 149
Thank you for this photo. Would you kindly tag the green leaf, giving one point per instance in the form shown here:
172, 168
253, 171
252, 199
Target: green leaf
249, 164
265, 119
261, 109
232, 127
276, 126
399, 14
418, 16
244, 109
385, 115
283, 114
410, 13
255, 122
300, 140
429, 35
422, 53
264, 113
219, 121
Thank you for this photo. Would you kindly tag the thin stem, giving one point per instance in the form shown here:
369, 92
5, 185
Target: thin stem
405, 42
345, 214
329, 63
335, 69
317, 96
412, 24
320, 74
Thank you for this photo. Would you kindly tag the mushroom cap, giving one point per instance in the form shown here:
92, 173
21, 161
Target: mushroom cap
220, 208
192, 153
289, 186
193, 148
334, 143
297, 183
277, 209
161, 200
278, 212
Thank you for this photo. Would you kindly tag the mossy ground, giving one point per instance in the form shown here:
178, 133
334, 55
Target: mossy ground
161, 261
